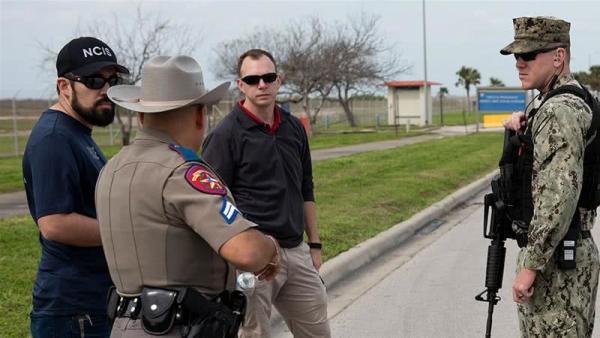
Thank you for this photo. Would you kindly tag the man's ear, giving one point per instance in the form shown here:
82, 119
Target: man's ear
200, 116
560, 56
64, 87
239, 84
140, 117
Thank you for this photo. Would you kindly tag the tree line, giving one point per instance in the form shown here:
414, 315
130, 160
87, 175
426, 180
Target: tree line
318, 60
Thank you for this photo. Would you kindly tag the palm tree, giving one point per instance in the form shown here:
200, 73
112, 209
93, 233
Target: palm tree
496, 82
443, 92
466, 77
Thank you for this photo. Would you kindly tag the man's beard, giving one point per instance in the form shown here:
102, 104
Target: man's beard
94, 115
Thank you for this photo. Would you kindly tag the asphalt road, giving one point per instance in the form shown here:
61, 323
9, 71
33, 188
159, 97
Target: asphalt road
426, 287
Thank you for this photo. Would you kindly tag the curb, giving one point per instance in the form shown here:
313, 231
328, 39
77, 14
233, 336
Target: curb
349, 261
346, 263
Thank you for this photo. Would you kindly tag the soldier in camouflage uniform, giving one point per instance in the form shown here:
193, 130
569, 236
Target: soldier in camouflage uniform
552, 302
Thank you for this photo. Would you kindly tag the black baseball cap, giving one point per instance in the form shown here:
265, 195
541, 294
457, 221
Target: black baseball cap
85, 56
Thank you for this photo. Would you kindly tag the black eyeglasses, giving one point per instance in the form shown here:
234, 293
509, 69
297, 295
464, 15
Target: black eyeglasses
255, 79
531, 55
95, 81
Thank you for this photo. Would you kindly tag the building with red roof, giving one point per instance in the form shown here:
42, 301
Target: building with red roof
409, 102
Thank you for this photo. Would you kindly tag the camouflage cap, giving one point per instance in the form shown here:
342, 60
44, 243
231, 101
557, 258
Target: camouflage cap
538, 33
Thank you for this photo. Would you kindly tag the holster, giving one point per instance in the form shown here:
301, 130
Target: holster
199, 317
224, 316
112, 303
159, 309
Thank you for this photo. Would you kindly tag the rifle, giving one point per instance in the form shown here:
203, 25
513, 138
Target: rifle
499, 229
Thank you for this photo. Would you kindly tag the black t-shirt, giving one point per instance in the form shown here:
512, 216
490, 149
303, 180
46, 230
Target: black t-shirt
60, 168
269, 175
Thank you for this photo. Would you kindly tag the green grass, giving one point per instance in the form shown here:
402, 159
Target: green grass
455, 118
11, 178
110, 151
7, 144
102, 136
19, 255
358, 197
329, 140
361, 195
6, 126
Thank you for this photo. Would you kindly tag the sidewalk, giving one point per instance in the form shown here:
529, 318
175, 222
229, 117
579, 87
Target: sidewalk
325, 154
15, 204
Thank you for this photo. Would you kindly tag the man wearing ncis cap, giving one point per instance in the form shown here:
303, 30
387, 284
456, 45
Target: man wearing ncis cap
60, 168
170, 228
558, 265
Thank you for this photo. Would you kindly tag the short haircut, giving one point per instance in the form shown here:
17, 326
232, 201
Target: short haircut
254, 54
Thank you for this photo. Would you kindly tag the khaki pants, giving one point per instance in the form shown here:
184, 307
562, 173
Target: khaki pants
298, 294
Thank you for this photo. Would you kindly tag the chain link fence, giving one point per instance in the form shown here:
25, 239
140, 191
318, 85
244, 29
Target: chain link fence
17, 118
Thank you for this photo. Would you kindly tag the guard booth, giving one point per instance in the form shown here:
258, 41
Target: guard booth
409, 102
498, 103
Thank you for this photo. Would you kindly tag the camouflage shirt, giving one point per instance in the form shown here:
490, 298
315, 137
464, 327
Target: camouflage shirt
558, 132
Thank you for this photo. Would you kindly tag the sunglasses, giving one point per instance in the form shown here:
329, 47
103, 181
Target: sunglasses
255, 79
531, 55
95, 81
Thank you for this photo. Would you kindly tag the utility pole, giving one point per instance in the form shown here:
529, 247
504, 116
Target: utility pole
426, 87
15, 129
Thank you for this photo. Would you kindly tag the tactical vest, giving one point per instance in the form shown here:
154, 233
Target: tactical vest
517, 166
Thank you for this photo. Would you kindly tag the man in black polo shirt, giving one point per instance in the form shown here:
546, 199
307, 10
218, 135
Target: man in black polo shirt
261, 151
60, 168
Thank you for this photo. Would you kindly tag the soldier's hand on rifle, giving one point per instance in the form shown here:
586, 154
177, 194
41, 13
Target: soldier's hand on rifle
516, 122
523, 285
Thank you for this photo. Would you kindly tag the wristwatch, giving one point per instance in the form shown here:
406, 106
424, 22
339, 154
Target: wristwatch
313, 245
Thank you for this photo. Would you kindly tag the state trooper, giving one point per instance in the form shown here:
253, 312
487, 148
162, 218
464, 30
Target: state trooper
169, 226
555, 288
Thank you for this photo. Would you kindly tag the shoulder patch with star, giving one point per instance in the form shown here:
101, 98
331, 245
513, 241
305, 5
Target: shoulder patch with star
203, 180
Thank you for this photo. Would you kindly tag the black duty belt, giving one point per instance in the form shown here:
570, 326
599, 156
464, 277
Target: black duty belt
160, 309
131, 307
586, 234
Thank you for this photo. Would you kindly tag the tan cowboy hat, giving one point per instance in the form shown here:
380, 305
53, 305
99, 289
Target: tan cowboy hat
168, 82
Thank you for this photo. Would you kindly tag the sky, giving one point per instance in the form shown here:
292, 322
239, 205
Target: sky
458, 33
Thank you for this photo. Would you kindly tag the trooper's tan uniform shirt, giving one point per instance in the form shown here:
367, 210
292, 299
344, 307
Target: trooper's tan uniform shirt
163, 220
